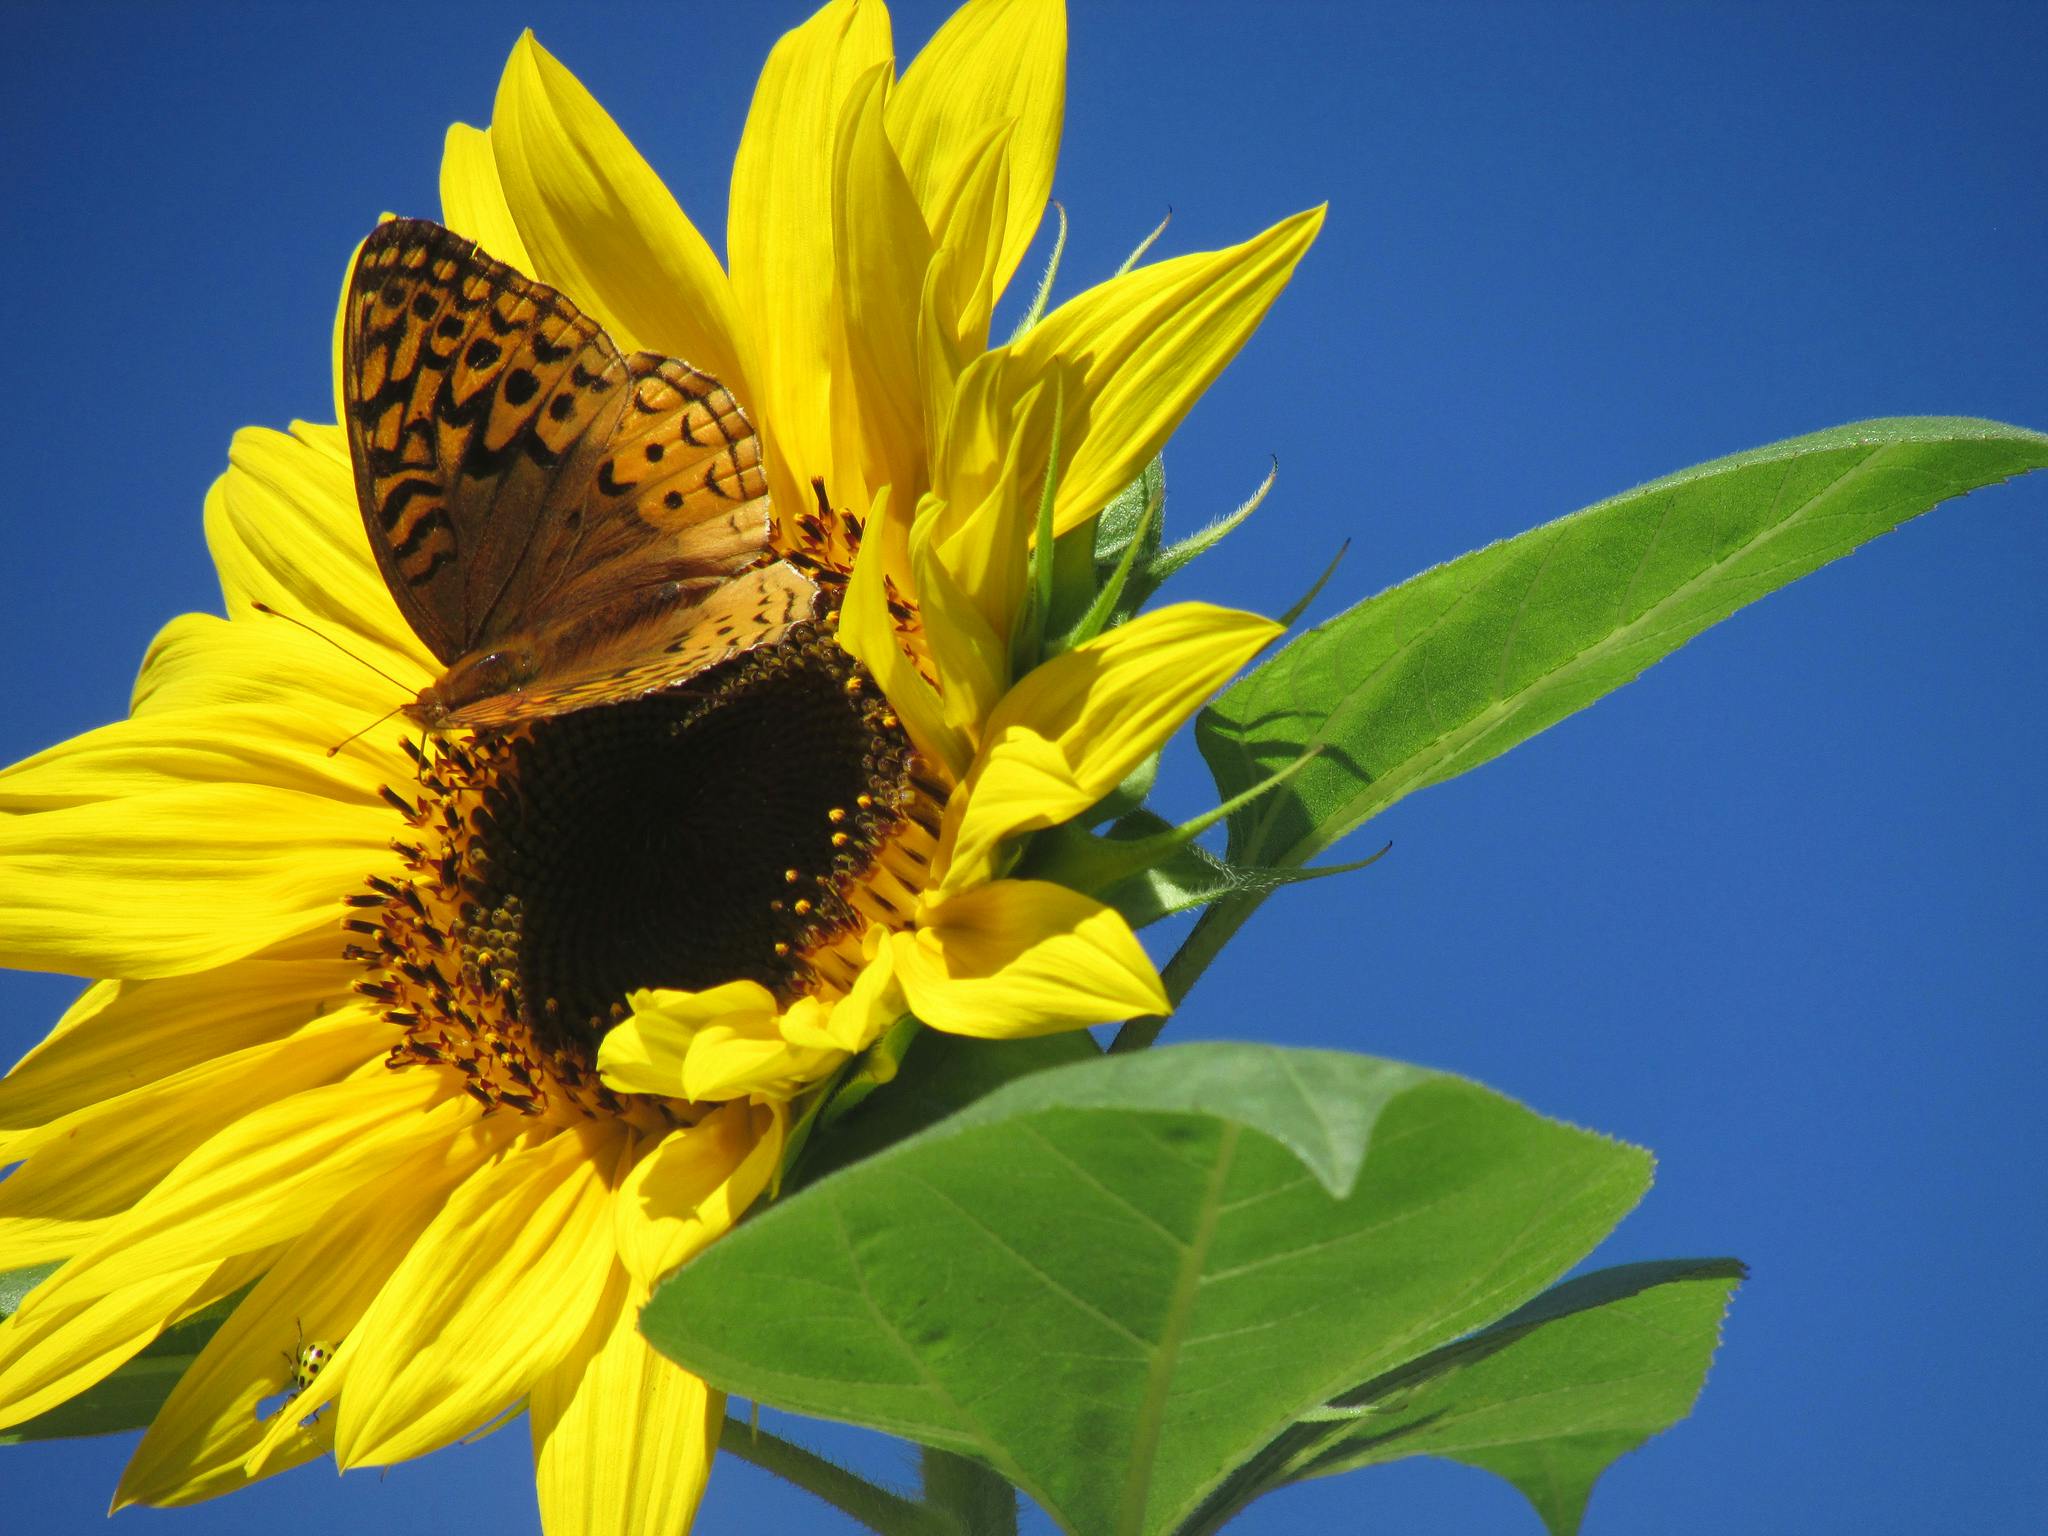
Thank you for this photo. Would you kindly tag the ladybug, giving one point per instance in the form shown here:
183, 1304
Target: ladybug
307, 1361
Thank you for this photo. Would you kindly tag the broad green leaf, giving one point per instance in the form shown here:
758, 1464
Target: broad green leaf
130, 1397
941, 1074
1455, 666
1547, 1398
1114, 1282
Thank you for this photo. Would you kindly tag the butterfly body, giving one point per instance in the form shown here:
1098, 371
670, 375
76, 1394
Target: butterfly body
563, 525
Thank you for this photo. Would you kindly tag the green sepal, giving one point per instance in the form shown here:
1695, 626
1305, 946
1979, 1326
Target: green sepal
1178, 555
1172, 875
1135, 515
856, 1078
1041, 297
1126, 797
1145, 244
1027, 643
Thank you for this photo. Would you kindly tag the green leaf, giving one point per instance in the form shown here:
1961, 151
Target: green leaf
1547, 1398
130, 1397
1114, 1282
1455, 666
941, 1075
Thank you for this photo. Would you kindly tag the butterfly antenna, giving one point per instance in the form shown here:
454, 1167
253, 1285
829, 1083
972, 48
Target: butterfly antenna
355, 735
266, 609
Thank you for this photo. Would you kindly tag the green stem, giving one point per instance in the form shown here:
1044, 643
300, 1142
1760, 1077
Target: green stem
1211, 932
978, 1499
876, 1508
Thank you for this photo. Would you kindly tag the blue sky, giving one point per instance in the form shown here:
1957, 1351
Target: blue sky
1775, 911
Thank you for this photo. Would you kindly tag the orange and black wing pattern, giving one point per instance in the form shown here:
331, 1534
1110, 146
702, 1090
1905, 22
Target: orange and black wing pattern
536, 499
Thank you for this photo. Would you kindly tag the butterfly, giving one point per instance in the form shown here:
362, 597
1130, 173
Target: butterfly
561, 524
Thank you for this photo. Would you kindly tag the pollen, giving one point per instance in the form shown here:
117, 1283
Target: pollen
748, 824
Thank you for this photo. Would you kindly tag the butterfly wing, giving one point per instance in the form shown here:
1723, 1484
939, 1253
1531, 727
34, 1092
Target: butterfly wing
547, 513
669, 644
680, 493
479, 403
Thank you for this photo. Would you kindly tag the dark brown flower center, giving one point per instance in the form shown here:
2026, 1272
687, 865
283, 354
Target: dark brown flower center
720, 831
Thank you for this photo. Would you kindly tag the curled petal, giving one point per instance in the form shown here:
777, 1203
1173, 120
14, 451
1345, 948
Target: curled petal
870, 1006
1071, 731
1025, 957
983, 557
867, 629
880, 249
722, 1043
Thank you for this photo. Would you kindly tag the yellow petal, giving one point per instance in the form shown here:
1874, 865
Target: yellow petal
780, 233
473, 200
1139, 349
994, 61
99, 1160
868, 631
941, 354
971, 656
720, 1043
880, 248
870, 1006
489, 1299
265, 1179
985, 554
600, 226
207, 1438
968, 227
123, 1035
1072, 730
285, 528
1025, 957
177, 880
58, 1345
277, 681
622, 1438
694, 1184
337, 335
226, 704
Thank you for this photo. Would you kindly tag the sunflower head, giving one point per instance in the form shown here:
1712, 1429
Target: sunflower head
747, 825
436, 1053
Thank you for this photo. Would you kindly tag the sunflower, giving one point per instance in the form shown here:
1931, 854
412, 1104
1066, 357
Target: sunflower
316, 1075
